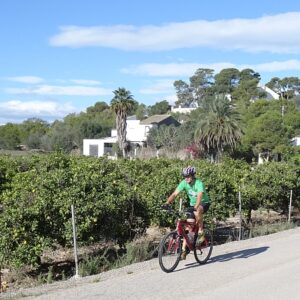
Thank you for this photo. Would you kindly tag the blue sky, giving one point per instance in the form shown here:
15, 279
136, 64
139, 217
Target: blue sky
61, 56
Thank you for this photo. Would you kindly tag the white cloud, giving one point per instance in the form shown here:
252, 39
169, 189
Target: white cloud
171, 99
276, 66
85, 82
188, 69
173, 69
26, 79
43, 109
277, 33
159, 87
60, 90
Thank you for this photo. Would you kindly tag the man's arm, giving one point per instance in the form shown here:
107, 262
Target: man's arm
199, 198
172, 196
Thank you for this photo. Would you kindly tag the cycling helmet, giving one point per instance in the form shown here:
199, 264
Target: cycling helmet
189, 171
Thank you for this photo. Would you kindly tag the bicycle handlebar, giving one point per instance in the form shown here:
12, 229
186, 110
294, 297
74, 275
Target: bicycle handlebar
172, 211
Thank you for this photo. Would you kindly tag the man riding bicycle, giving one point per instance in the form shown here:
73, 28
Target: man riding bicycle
198, 197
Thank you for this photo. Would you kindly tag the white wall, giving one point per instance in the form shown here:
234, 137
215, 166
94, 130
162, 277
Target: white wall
182, 110
135, 131
296, 141
271, 92
99, 142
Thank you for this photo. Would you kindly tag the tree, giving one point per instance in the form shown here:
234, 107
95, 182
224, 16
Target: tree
163, 137
33, 130
198, 90
226, 81
247, 89
219, 127
159, 108
287, 87
201, 83
141, 112
97, 107
268, 131
121, 104
265, 133
184, 93
10, 136
60, 137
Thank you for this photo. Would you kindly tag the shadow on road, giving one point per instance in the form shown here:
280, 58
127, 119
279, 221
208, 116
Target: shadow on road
229, 256
238, 254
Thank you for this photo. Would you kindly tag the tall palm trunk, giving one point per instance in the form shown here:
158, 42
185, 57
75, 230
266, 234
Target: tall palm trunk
122, 103
121, 131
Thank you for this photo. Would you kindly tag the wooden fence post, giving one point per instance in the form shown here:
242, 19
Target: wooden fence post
290, 206
240, 215
75, 242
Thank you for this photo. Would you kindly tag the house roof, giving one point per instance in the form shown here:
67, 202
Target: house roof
155, 119
133, 117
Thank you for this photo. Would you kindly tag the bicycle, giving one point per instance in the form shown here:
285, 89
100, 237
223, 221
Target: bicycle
170, 247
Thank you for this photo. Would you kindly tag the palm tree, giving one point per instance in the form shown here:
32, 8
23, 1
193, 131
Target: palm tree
121, 104
219, 127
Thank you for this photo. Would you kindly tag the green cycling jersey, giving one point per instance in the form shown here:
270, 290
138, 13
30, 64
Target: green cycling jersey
192, 189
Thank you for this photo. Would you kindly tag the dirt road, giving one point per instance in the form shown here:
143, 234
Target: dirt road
261, 268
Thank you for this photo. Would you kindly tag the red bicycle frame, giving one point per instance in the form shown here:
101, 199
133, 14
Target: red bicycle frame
182, 226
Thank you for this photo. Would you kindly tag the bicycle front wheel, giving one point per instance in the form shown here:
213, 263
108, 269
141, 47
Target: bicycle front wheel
203, 250
169, 251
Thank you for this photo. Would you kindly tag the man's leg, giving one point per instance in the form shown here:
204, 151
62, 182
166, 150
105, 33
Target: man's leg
199, 218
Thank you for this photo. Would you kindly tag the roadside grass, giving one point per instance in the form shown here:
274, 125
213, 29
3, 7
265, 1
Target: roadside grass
141, 249
271, 228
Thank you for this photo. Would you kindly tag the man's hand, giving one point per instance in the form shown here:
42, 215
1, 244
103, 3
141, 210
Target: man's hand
166, 206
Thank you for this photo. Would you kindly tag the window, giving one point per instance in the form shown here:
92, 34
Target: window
93, 150
108, 148
147, 128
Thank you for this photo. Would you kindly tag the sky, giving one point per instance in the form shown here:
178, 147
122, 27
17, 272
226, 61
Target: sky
61, 56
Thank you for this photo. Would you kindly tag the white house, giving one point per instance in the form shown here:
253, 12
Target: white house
182, 110
270, 93
185, 109
137, 132
296, 141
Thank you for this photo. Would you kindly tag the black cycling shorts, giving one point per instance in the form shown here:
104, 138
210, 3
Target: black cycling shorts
205, 207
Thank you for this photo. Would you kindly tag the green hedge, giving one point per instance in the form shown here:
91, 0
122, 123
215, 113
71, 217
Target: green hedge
115, 200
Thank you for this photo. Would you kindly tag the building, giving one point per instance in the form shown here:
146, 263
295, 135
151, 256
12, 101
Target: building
185, 109
137, 132
270, 94
296, 141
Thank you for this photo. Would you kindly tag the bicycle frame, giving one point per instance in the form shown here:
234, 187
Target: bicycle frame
180, 228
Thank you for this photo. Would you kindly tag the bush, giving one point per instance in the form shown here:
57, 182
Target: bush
118, 200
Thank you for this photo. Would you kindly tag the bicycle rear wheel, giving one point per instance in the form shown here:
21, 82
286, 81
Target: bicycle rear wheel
169, 251
202, 251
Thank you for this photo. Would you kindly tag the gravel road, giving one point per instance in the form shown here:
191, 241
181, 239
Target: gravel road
261, 268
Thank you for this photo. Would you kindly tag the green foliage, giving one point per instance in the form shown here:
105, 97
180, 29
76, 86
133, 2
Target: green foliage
118, 200
159, 108
218, 128
10, 136
164, 136
287, 87
93, 265
266, 132
270, 125
141, 111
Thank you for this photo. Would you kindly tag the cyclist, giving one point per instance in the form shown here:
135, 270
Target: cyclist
198, 197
